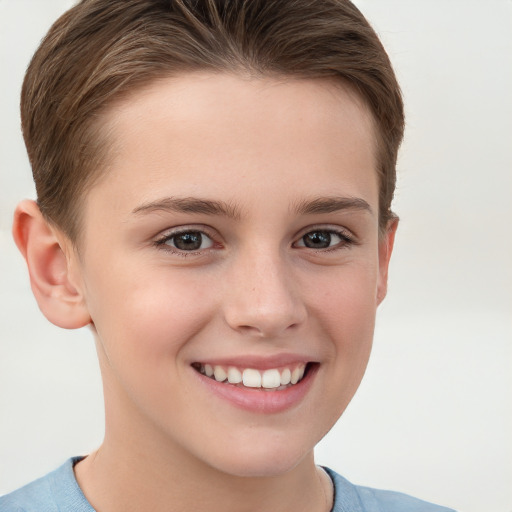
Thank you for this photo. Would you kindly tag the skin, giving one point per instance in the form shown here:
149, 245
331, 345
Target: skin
253, 291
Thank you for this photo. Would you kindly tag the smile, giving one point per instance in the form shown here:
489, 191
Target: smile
261, 387
272, 379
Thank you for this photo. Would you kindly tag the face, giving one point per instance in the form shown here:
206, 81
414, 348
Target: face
231, 266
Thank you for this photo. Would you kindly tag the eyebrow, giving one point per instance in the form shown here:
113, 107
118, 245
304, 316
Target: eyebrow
331, 204
190, 205
221, 208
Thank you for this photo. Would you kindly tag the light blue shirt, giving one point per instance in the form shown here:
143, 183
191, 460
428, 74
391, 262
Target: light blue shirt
59, 492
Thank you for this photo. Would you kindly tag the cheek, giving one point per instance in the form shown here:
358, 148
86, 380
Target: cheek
345, 314
143, 326
345, 301
147, 316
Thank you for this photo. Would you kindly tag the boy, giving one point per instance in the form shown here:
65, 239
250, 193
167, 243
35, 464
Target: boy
214, 188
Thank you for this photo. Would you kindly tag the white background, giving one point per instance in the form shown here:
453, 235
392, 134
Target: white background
433, 416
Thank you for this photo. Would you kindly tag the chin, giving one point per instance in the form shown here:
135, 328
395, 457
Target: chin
261, 459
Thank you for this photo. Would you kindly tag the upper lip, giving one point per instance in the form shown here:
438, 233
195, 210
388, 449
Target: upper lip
257, 362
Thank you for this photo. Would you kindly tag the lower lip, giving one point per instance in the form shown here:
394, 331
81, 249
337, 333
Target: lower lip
258, 400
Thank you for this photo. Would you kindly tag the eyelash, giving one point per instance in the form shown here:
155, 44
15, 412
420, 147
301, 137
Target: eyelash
346, 240
162, 242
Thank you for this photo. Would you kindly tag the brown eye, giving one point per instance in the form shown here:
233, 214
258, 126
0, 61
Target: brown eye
189, 241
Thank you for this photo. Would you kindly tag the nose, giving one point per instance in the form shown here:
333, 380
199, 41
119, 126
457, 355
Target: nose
263, 298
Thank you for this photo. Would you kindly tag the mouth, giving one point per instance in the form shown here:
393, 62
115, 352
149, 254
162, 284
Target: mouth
268, 386
270, 379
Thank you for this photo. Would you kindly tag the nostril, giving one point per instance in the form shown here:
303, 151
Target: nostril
264, 331
250, 329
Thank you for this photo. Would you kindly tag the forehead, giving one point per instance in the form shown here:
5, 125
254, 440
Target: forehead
223, 132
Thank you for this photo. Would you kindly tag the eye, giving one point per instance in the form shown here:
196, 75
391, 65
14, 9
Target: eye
323, 239
187, 241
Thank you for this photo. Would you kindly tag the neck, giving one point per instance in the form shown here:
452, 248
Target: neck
133, 480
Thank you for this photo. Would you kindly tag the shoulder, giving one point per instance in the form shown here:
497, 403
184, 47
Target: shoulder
390, 501
34, 496
58, 491
355, 498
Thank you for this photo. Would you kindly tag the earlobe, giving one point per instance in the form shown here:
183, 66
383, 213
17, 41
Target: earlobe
49, 264
386, 243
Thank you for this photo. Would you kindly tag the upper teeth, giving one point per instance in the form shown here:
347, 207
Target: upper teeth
251, 378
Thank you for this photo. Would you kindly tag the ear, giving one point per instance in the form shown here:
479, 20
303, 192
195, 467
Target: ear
386, 243
52, 265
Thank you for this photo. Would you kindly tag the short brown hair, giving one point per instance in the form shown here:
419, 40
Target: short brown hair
101, 49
